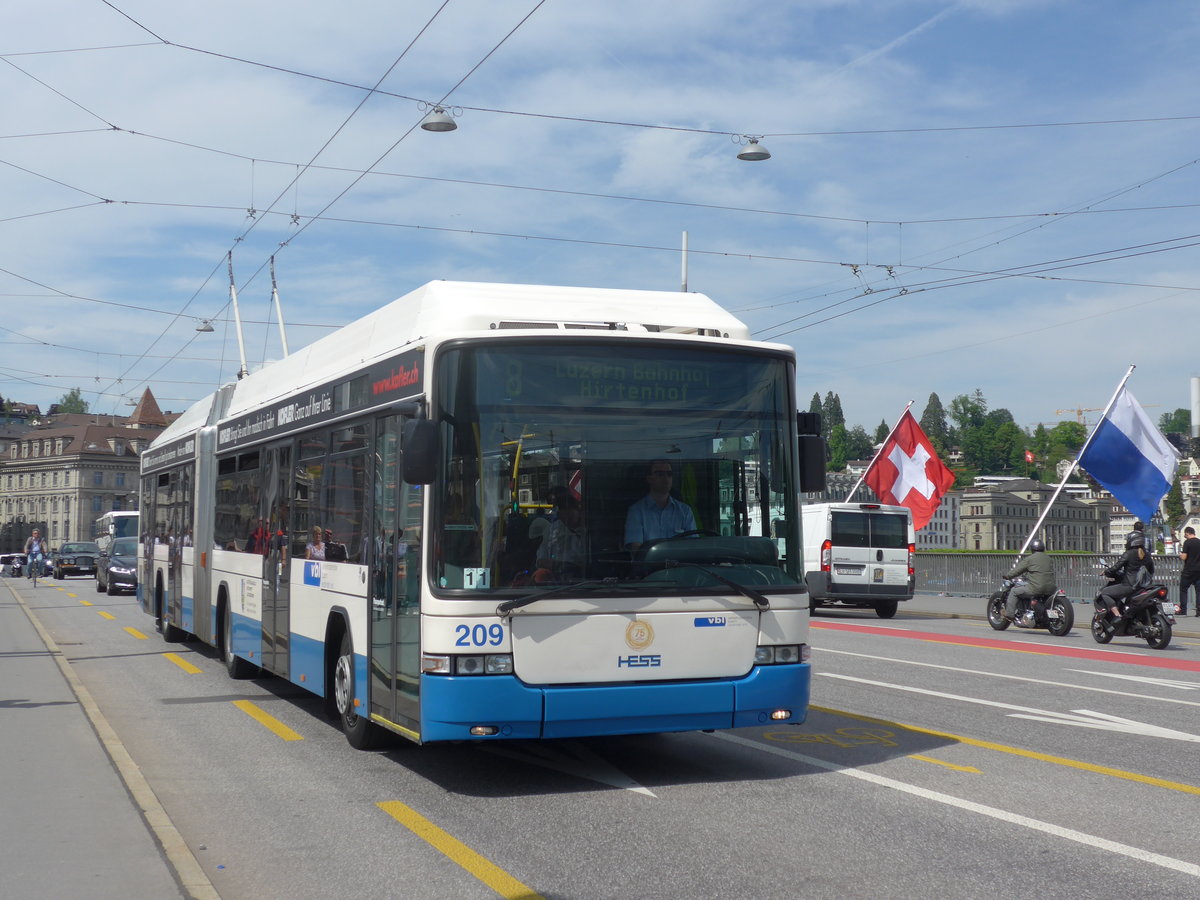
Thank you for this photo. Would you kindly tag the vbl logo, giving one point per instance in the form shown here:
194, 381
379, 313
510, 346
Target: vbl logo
639, 661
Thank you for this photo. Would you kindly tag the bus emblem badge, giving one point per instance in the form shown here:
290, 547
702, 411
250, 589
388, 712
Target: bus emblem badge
639, 635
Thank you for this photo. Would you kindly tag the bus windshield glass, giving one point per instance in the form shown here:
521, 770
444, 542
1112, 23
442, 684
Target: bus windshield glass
649, 464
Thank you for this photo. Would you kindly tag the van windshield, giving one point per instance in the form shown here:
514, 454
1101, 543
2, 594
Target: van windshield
864, 529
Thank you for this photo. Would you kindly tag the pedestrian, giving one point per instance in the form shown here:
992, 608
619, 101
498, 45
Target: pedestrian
1189, 575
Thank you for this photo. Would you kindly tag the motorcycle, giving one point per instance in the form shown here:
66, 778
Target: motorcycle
1054, 613
1149, 615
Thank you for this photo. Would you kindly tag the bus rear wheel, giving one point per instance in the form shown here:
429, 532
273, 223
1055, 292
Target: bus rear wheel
360, 732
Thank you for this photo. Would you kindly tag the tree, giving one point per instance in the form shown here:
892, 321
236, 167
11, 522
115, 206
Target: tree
72, 402
838, 443
884, 430
933, 423
831, 409
1178, 422
1175, 510
858, 444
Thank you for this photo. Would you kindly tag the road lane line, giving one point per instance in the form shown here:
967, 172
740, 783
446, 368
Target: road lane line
137, 634
1083, 718
1078, 687
87, 602
105, 615
267, 720
942, 762
1018, 751
481, 867
1088, 840
1118, 656
182, 663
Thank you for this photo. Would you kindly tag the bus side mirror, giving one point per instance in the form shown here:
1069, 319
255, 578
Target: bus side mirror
419, 451
812, 463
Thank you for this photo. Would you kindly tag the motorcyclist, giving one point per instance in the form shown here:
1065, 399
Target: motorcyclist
1039, 578
1133, 570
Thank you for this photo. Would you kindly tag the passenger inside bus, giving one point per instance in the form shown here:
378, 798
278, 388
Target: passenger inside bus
563, 554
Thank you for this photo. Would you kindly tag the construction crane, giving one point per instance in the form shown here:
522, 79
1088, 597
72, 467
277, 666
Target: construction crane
1080, 410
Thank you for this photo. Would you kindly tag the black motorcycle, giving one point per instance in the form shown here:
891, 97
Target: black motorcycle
1148, 615
1053, 613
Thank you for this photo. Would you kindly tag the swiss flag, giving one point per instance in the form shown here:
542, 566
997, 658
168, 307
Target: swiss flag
907, 472
1028, 456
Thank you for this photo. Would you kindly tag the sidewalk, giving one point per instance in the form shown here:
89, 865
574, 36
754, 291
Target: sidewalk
79, 819
946, 607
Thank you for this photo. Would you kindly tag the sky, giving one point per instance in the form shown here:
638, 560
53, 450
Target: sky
992, 195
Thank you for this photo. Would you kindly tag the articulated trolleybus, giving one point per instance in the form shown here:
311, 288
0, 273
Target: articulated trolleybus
424, 518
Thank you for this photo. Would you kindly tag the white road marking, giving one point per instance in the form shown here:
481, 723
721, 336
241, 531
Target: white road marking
579, 761
1070, 834
1081, 717
1027, 678
1157, 682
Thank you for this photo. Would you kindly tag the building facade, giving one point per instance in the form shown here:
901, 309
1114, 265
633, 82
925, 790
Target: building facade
1001, 517
64, 473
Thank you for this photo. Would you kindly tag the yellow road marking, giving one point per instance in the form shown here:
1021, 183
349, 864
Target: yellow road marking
941, 762
1028, 754
69, 594
137, 634
267, 720
182, 663
106, 615
483, 869
87, 602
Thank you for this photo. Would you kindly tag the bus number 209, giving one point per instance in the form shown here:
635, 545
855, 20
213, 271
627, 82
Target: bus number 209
479, 635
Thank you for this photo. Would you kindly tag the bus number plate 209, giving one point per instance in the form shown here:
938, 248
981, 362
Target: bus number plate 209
477, 579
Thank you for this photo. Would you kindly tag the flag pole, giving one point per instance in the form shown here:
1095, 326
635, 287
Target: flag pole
1062, 484
875, 458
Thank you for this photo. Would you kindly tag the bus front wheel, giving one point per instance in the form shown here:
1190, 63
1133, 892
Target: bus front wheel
360, 732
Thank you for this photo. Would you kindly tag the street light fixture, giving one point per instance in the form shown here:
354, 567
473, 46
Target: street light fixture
205, 325
753, 151
438, 119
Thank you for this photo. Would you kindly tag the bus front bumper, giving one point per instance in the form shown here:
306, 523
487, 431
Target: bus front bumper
451, 706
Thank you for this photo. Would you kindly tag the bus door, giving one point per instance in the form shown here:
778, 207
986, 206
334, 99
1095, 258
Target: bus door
395, 565
274, 501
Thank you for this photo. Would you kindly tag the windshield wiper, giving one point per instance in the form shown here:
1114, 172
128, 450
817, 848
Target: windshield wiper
760, 599
506, 608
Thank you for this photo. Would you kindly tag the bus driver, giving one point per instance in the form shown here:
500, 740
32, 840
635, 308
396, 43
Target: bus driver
658, 514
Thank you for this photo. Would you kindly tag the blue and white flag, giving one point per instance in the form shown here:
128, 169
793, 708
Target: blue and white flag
1130, 457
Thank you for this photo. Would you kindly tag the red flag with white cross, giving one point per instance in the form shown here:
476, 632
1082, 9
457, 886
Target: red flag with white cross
907, 472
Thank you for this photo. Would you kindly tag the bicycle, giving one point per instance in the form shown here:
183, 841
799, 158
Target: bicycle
35, 567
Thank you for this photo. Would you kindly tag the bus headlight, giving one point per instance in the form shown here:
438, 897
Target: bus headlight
779, 654
474, 664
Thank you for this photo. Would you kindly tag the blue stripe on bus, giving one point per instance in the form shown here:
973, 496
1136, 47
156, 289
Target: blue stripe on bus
308, 659
450, 706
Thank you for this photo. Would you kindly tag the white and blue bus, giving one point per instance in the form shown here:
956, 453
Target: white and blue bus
113, 525
422, 518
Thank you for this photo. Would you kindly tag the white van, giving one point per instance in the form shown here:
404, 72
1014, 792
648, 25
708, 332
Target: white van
859, 554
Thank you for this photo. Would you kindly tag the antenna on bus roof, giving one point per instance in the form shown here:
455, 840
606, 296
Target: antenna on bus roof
278, 308
237, 319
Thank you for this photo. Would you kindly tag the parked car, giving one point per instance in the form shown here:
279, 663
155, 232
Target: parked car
75, 558
117, 569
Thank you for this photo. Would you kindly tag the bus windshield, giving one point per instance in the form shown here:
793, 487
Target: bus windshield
652, 465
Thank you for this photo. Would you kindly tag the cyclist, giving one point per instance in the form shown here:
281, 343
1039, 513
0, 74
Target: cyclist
35, 551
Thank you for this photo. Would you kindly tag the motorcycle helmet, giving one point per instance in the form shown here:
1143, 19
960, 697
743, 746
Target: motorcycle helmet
1037, 546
